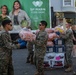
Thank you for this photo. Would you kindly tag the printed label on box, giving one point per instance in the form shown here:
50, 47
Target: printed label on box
60, 50
59, 42
50, 49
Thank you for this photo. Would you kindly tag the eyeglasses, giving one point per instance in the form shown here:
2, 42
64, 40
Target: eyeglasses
41, 25
10, 24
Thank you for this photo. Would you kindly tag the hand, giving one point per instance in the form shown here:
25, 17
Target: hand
58, 36
18, 45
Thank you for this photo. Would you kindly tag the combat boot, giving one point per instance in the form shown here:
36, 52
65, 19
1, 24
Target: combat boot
66, 66
68, 69
42, 74
37, 73
27, 61
74, 73
31, 60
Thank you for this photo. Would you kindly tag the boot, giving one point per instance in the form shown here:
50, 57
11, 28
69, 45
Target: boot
42, 74
74, 73
31, 60
68, 69
66, 66
27, 61
37, 73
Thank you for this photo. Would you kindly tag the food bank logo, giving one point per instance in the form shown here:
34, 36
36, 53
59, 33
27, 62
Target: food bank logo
37, 3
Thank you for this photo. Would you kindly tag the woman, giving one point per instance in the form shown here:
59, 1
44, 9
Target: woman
3, 15
17, 15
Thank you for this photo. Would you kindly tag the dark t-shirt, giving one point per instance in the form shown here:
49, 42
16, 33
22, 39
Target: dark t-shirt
16, 20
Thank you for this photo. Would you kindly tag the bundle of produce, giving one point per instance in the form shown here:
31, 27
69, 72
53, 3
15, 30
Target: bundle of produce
27, 35
59, 29
24, 23
49, 30
52, 36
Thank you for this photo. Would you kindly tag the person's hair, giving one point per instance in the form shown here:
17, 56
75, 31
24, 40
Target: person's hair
44, 23
14, 4
69, 23
5, 22
6, 9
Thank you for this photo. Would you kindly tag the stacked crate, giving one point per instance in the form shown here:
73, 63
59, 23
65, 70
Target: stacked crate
55, 55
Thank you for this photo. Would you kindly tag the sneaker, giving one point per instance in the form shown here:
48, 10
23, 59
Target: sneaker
68, 69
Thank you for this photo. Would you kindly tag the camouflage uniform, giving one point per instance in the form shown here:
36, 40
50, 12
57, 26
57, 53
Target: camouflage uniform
40, 50
68, 37
6, 67
1, 19
30, 51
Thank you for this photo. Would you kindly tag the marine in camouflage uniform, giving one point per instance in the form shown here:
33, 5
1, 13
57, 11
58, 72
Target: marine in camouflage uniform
40, 48
68, 37
30, 52
6, 46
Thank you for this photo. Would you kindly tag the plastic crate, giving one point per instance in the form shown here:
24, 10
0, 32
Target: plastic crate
51, 49
58, 41
60, 48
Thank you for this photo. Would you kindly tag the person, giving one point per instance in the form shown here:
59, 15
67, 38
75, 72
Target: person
6, 46
4, 14
74, 33
29, 48
40, 47
30, 52
74, 40
17, 15
74, 46
68, 37
22, 43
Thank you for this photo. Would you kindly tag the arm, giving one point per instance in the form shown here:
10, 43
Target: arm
7, 44
66, 35
27, 18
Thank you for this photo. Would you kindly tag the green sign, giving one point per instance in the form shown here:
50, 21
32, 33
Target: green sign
37, 10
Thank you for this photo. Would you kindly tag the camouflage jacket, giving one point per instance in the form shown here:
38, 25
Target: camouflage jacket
6, 42
1, 19
68, 37
40, 43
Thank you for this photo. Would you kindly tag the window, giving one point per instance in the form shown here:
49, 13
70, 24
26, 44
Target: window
67, 2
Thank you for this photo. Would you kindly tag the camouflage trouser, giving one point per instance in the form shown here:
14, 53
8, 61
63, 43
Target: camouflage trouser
10, 67
3, 65
30, 56
68, 56
30, 51
39, 65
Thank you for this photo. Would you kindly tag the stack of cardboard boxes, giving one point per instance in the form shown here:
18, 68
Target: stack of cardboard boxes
55, 55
